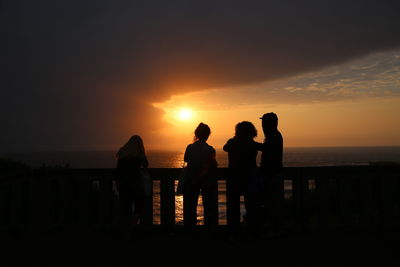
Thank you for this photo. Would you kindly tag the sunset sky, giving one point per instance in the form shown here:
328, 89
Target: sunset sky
86, 75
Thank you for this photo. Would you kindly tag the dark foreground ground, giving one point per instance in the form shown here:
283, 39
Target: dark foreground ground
156, 247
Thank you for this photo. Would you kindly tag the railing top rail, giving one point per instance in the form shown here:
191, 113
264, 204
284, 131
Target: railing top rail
222, 173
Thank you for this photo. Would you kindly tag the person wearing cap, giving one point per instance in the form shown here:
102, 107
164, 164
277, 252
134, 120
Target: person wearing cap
271, 167
271, 157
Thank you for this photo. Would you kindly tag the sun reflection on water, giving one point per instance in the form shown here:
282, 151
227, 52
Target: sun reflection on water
200, 210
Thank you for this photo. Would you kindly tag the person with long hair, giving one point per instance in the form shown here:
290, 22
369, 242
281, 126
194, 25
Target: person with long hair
242, 153
201, 164
130, 158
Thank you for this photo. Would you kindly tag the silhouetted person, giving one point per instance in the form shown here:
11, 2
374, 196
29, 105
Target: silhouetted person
271, 167
242, 153
201, 164
130, 158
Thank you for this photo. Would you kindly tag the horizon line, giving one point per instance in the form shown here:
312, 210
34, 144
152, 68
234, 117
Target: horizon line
175, 150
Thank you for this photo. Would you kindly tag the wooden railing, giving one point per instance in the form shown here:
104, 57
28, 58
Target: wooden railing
315, 198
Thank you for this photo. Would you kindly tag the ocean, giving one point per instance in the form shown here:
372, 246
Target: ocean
292, 157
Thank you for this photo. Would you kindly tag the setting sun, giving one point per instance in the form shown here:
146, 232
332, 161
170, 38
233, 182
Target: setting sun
185, 114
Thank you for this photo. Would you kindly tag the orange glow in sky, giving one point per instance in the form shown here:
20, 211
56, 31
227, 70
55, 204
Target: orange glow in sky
336, 106
185, 114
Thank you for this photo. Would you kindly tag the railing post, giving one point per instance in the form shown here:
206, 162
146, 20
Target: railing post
16, 213
388, 198
84, 202
300, 187
322, 186
26, 204
344, 199
3, 206
75, 208
211, 212
167, 200
35, 209
366, 203
44, 197
54, 203
148, 207
65, 199
105, 201
115, 205
6, 199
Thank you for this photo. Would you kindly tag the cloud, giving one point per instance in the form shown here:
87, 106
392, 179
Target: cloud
372, 76
86, 72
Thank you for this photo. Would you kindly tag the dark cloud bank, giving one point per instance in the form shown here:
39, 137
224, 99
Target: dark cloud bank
82, 74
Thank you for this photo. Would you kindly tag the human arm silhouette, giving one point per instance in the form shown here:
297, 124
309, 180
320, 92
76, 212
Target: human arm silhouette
259, 146
227, 147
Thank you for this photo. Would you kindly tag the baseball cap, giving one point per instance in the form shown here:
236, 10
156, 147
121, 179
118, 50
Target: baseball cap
269, 116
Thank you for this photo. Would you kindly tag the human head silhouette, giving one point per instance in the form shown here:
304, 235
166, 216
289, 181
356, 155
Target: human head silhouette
269, 122
245, 130
202, 132
133, 148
